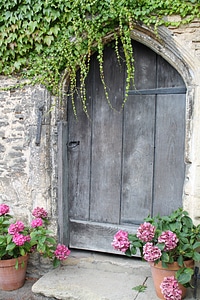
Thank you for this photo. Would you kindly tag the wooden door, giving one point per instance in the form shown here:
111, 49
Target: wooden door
125, 164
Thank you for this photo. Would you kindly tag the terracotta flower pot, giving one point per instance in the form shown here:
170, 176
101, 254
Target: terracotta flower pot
10, 277
158, 274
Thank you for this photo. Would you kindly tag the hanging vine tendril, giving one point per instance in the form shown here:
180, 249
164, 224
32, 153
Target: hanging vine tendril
43, 40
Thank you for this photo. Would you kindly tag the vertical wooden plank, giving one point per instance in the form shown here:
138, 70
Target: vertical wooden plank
169, 153
63, 222
145, 67
138, 155
79, 151
139, 118
107, 143
167, 76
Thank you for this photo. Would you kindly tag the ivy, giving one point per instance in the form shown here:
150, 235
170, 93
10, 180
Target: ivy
42, 40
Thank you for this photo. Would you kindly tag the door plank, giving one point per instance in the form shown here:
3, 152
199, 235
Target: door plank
145, 67
95, 236
169, 153
167, 76
138, 156
79, 153
107, 143
106, 166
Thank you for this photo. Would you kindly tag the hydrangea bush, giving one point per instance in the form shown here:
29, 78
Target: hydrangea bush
165, 239
16, 239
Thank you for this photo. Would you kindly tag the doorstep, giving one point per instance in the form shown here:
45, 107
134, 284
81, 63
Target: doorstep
96, 276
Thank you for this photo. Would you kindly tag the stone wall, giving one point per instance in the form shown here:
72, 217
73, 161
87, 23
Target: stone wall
187, 39
29, 172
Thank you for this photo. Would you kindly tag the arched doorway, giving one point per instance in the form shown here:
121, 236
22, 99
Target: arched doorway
125, 165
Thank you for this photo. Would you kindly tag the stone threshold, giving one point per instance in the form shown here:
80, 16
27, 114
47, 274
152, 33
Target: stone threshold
96, 276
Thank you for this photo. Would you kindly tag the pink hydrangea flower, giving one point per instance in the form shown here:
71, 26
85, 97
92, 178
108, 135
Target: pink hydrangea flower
19, 239
36, 222
62, 252
16, 227
151, 252
170, 240
121, 241
40, 212
28, 238
170, 289
146, 232
4, 209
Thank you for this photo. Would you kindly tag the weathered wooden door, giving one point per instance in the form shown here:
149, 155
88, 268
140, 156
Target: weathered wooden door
128, 164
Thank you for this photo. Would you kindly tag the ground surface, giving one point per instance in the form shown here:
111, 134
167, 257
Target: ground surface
24, 293
91, 277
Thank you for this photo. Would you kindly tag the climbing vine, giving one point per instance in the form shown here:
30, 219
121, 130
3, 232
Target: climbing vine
42, 40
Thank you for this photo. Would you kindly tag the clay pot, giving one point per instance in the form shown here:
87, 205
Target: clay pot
10, 277
158, 274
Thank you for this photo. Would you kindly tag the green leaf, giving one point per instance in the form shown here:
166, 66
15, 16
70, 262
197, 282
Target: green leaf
32, 26
17, 265
17, 65
8, 14
165, 257
187, 221
184, 278
161, 246
164, 265
128, 252
186, 247
180, 260
41, 239
48, 39
133, 237
56, 263
183, 239
133, 251
140, 288
54, 30
196, 256
41, 248
51, 240
10, 246
196, 245
2, 240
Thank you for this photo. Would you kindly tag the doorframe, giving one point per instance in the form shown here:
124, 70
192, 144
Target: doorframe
164, 45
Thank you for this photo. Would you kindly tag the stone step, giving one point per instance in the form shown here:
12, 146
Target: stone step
95, 276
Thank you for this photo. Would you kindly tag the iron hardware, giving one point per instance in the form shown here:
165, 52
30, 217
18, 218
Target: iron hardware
73, 144
39, 126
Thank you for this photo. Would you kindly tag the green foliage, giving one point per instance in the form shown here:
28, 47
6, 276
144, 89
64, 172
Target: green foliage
188, 234
17, 240
187, 246
140, 288
184, 275
44, 243
39, 39
8, 248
